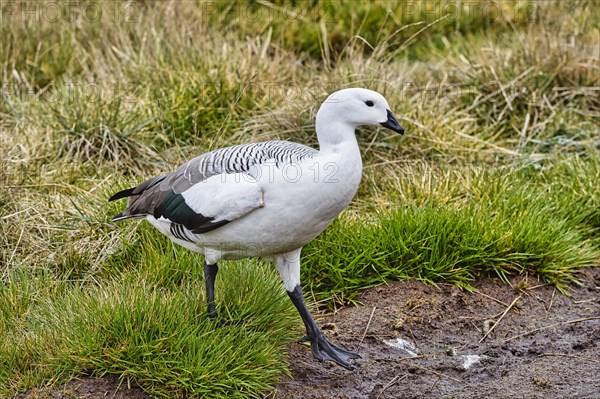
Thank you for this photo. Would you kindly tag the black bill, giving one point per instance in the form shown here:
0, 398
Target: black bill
392, 123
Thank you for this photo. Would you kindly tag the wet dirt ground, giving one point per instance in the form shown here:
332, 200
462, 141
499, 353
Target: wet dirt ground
422, 341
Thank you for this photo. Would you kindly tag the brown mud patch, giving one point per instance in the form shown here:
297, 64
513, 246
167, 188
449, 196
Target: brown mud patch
424, 342
107, 387
421, 341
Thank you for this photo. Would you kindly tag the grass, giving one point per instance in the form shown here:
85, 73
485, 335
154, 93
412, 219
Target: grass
504, 222
134, 323
496, 176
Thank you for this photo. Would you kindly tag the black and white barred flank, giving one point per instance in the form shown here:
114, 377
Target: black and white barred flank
180, 232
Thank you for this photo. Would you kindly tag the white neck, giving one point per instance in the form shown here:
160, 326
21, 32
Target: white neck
333, 133
338, 145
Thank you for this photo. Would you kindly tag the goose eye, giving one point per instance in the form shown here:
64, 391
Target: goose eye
369, 103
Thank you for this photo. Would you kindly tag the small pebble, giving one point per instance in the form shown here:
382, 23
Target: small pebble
487, 325
398, 324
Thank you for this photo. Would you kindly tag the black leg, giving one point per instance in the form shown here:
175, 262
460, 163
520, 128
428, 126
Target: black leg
210, 274
321, 348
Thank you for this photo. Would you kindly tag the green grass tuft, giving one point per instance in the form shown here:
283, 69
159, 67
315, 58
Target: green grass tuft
149, 324
505, 223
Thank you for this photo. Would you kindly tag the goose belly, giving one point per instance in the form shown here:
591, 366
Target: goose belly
293, 215
297, 208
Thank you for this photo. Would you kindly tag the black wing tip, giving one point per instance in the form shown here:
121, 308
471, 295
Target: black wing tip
122, 194
118, 216
123, 215
209, 226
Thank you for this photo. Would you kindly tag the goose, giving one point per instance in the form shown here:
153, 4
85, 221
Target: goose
266, 199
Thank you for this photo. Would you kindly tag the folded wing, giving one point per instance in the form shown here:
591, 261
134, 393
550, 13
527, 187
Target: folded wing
212, 189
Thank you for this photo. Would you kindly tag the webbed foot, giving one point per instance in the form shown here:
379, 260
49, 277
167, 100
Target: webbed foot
324, 350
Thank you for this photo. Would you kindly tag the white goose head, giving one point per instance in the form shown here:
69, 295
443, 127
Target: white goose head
349, 108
